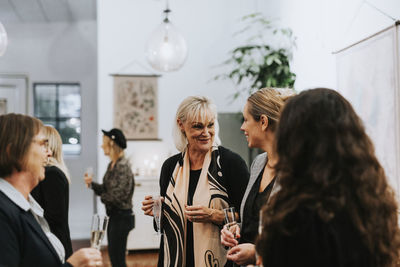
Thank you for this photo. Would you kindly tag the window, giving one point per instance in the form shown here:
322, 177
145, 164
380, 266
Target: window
59, 105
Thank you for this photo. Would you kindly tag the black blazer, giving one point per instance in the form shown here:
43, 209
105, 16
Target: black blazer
22, 240
52, 194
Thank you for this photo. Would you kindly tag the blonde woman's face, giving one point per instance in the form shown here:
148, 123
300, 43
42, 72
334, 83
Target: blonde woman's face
199, 134
106, 145
252, 129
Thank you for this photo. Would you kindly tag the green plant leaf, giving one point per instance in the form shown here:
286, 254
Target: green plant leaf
259, 62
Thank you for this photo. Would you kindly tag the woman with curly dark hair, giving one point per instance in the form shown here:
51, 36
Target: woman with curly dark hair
335, 207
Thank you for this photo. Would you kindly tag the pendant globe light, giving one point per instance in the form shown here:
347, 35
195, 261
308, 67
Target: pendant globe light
3, 40
166, 48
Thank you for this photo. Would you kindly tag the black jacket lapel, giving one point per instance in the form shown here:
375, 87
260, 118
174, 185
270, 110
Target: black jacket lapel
28, 217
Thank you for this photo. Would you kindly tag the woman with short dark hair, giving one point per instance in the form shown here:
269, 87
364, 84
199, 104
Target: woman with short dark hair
26, 239
335, 207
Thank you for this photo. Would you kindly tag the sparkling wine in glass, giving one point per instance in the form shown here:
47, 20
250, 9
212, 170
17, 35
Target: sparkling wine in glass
157, 209
99, 228
230, 219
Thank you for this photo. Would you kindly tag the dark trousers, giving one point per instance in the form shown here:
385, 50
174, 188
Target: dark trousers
119, 226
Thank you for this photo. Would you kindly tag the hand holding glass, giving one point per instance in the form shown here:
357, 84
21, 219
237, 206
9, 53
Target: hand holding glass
230, 220
99, 228
88, 174
157, 209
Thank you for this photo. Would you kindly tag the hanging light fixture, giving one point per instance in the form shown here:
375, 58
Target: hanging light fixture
3, 40
166, 47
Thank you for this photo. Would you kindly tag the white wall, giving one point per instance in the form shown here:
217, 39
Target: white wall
62, 52
325, 26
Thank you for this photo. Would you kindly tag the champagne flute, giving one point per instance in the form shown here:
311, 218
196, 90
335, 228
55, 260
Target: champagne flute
157, 209
230, 219
99, 228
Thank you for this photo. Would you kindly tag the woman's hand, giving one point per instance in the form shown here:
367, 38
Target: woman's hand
88, 179
242, 254
90, 257
147, 205
204, 214
229, 236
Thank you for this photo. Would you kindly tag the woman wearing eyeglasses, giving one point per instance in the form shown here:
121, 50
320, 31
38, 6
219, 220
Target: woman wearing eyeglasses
26, 239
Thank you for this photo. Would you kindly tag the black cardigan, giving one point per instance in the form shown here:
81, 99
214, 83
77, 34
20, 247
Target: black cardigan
52, 194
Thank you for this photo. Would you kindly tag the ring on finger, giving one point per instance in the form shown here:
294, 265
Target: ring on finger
194, 217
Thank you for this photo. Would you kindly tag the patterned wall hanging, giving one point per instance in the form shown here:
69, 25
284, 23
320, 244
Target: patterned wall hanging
136, 106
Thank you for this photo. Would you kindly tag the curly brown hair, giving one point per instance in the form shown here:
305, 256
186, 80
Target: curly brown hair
327, 163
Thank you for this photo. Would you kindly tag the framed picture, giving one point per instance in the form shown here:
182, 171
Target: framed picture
3, 106
13, 93
136, 106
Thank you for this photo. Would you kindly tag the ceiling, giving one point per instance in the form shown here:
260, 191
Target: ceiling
47, 11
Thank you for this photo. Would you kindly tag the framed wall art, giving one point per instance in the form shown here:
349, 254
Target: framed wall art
136, 106
13, 93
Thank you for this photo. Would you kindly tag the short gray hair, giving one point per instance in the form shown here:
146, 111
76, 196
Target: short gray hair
194, 108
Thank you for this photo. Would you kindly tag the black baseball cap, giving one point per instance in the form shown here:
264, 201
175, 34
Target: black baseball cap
117, 136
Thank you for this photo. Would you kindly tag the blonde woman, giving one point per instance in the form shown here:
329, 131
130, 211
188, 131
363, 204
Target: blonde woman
116, 193
53, 192
260, 118
197, 184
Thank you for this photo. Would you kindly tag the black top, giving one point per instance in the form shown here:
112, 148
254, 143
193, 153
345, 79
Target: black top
235, 175
251, 212
193, 180
52, 194
313, 242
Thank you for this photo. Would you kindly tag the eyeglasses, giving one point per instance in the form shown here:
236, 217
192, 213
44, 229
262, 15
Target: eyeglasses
44, 143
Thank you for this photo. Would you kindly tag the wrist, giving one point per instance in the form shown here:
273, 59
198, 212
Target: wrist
217, 217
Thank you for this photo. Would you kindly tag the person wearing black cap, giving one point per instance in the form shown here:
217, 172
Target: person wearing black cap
116, 193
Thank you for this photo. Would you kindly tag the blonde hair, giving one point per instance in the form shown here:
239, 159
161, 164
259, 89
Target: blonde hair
55, 146
269, 102
116, 150
194, 108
